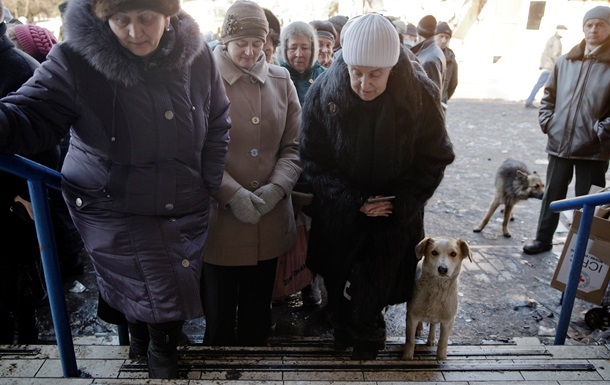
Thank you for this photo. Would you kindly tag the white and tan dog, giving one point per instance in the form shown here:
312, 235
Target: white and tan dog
435, 299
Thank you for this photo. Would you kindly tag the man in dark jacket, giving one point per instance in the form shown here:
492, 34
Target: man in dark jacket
575, 115
428, 52
450, 80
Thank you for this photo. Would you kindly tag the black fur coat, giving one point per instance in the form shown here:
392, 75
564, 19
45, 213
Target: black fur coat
350, 149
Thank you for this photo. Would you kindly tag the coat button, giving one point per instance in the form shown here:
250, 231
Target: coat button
254, 184
185, 263
256, 120
169, 115
169, 206
311, 81
254, 152
332, 107
253, 79
79, 202
193, 108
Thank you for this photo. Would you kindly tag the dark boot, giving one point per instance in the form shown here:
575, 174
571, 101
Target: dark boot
26, 325
7, 332
138, 340
366, 350
162, 350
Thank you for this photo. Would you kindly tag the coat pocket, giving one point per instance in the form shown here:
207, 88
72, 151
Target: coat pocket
80, 198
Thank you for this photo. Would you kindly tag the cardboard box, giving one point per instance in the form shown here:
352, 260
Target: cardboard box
595, 273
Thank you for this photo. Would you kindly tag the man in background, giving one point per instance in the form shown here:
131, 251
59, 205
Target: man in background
450, 80
575, 116
550, 54
428, 53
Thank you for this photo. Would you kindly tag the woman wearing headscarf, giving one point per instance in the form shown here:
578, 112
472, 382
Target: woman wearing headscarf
372, 127
252, 221
149, 124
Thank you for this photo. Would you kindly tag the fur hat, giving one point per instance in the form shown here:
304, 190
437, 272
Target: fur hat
106, 8
244, 19
338, 22
599, 12
62, 7
411, 29
34, 40
325, 29
401, 27
443, 27
274, 23
426, 26
371, 41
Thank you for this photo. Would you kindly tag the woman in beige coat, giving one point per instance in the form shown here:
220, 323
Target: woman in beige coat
252, 220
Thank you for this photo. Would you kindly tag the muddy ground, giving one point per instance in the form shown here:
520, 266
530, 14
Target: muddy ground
513, 299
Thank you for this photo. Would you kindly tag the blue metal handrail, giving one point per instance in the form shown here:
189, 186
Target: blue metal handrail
588, 204
39, 178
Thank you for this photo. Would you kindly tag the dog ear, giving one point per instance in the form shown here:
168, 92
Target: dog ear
522, 174
465, 249
420, 249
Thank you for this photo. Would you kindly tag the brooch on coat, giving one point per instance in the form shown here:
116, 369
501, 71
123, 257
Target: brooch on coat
332, 107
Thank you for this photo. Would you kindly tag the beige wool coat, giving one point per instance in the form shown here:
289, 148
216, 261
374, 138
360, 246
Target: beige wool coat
266, 117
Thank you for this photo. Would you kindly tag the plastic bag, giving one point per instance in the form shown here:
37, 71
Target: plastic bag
292, 275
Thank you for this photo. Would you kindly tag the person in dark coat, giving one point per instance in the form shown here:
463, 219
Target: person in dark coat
372, 126
21, 284
450, 80
149, 122
428, 53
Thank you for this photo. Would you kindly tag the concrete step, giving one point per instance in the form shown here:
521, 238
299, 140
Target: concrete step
305, 361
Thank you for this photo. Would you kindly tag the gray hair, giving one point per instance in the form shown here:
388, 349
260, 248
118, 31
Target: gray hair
296, 29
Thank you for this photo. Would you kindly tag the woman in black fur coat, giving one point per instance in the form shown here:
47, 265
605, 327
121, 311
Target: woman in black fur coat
372, 126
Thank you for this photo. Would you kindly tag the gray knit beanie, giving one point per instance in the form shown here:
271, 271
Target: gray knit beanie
371, 41
244, 19
599, 12
443, 27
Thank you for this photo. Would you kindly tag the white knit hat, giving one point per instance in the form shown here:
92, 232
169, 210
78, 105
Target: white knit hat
371, 41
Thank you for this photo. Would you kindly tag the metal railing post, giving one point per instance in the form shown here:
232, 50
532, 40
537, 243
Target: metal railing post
574, 277
588, 204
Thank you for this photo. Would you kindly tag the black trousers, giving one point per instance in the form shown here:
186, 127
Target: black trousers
238, 296
558, 177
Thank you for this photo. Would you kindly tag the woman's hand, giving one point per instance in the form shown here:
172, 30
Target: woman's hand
377, 209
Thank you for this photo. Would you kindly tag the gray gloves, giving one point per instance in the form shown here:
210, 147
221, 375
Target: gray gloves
271, 194
242, 205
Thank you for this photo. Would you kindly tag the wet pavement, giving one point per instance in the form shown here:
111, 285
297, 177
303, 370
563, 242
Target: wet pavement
503, 294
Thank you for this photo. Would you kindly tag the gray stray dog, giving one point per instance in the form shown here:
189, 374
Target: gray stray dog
514, 183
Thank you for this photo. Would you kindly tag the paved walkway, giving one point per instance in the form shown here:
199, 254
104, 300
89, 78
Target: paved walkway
312, 361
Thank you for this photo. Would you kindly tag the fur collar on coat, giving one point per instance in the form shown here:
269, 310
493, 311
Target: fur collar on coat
92, 38
407, 85
601, 54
